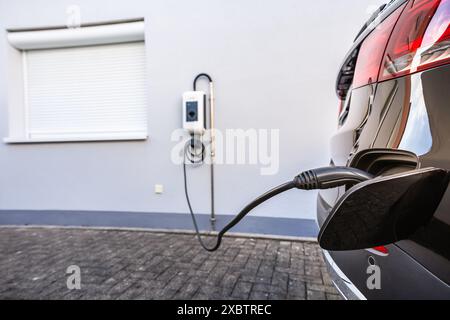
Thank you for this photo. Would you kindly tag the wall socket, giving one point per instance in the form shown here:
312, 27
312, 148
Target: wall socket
159, 188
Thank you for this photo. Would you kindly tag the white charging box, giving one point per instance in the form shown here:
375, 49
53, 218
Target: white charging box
194, 112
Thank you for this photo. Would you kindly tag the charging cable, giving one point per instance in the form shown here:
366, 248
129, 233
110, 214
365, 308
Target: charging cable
194, 150
321, 178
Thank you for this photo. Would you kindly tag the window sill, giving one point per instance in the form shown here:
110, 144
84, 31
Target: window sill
125, 137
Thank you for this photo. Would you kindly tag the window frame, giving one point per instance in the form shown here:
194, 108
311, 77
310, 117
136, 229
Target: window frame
21, 41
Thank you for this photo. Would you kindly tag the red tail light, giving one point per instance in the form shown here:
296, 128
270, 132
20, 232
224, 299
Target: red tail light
420, 40
381, 249
416, 37
372, 51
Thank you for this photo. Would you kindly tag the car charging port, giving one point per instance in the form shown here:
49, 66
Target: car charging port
384, 162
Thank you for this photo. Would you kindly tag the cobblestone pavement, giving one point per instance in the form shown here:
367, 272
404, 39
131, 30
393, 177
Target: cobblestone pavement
146, 265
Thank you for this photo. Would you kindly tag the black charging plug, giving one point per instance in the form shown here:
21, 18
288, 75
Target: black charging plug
330, 177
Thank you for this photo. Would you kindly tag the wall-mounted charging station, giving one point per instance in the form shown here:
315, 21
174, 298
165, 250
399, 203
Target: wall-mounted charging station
194, 112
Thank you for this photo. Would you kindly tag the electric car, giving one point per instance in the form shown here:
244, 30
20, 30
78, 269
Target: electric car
394, 111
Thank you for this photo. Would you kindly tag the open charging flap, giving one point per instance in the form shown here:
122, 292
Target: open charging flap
384, 210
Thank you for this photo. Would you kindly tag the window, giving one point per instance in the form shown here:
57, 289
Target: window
78, 84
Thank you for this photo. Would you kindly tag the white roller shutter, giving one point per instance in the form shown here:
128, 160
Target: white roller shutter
86, 91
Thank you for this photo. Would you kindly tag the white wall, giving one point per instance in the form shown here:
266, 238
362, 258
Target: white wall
274, 64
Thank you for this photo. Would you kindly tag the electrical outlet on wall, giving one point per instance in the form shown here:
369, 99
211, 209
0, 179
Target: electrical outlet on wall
159, 188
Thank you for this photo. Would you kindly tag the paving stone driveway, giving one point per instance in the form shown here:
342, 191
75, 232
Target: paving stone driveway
147, 265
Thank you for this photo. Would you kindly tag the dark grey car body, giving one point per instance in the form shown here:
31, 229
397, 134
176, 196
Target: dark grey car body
410, 113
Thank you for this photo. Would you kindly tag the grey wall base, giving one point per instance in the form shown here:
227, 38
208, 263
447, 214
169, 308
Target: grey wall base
253, 225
